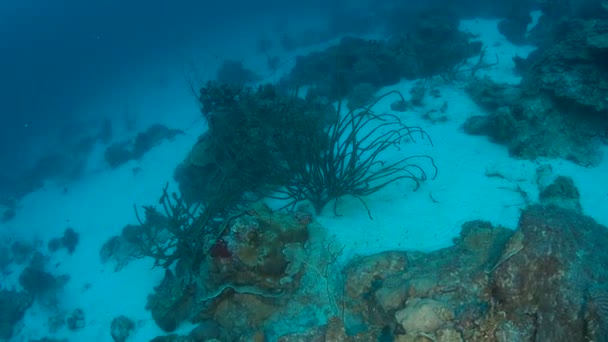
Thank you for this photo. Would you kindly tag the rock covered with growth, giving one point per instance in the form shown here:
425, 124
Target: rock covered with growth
69, 241
247, 275
120, 328
424, 316
121, 152
121, 249
412, 296
562, 193
544, 281
76, 320
124, 248
43, 285
253, 132
234, 72
334, 330
533, 126
573, 68
13, 304
434, 46
554, 276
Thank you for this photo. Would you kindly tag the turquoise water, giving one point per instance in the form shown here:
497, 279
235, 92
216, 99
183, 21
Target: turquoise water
467, 205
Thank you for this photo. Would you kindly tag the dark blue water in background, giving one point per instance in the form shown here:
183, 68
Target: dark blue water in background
56, 55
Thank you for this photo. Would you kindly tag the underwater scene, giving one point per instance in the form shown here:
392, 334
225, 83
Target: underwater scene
294, 171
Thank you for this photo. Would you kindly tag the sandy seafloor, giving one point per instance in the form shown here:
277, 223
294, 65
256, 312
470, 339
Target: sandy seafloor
100, 204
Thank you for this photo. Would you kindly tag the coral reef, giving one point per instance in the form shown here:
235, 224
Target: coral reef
123, 248
248, 274
265, 142
41, 284
13, 304
234, 73
533, 126
119, 153
341, 70
574, 69
548, 279
542, 281
251, 133
69, 241
76, 320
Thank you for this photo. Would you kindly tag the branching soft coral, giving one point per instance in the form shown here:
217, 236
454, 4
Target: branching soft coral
345, 158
